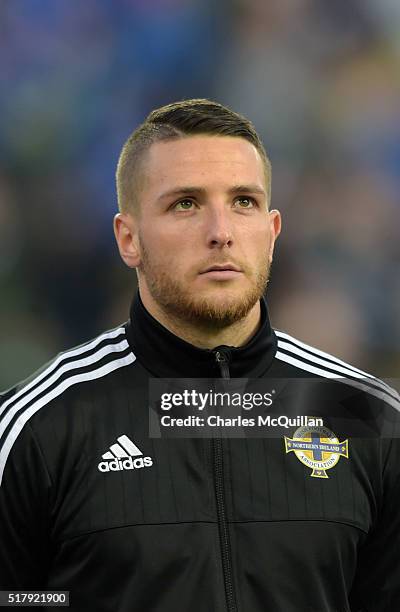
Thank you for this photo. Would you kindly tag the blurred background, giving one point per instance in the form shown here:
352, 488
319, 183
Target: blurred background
321, 82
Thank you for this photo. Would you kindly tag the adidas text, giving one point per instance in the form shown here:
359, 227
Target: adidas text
116, 465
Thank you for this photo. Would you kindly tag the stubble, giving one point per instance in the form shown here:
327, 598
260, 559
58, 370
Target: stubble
178, 302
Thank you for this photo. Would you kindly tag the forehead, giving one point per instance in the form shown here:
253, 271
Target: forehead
202, 159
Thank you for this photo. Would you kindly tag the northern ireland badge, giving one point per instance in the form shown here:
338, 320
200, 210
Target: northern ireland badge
318, 448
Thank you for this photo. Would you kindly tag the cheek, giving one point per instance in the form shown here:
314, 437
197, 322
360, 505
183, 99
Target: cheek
172, 243
258, 241
154, 242
163, 254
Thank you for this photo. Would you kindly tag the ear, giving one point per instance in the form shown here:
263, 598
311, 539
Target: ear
275, 229
126, 235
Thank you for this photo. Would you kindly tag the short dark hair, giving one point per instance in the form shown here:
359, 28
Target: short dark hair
178, 120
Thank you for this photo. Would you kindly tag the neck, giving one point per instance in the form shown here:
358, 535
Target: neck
205, 336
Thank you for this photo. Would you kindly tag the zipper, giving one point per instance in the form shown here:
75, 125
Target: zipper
222, 357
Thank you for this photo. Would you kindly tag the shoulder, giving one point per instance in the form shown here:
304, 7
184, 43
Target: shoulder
311, 361
91, 361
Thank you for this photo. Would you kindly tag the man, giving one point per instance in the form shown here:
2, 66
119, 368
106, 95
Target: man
90, 503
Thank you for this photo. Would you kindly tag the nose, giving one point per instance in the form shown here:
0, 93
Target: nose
219, 230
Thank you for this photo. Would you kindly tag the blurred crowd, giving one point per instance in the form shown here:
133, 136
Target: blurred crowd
321, 83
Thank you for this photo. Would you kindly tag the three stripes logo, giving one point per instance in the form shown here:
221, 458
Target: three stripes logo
86, 363
123, 456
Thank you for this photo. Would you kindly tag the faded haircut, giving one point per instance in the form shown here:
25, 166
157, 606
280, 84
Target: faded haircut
174, 121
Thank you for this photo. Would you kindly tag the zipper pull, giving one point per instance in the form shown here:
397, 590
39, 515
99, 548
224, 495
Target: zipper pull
222, 357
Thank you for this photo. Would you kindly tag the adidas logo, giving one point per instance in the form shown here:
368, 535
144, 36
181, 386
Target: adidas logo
123, 456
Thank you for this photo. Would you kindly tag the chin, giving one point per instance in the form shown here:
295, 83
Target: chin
217, 305
221, 310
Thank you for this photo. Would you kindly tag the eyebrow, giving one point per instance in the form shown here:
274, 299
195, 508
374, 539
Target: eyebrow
201, 190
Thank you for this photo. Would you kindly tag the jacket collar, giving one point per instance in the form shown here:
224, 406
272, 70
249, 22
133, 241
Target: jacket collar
165, 355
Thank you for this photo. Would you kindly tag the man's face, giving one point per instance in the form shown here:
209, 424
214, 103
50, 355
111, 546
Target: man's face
205, 235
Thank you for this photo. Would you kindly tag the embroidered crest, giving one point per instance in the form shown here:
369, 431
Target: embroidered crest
318, 448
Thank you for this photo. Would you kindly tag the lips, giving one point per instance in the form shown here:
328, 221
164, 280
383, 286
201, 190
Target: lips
221, 272
228, 267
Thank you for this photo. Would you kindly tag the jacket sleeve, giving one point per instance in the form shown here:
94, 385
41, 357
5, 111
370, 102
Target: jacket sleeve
24, 501
376, 587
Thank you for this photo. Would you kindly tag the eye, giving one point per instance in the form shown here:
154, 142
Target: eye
183, 205
245, 202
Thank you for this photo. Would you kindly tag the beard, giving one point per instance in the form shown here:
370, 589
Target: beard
173, 297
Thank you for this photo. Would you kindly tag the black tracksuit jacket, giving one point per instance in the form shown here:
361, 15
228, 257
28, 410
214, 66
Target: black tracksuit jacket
199, 525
